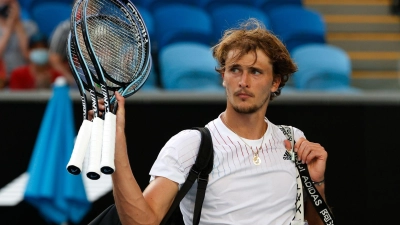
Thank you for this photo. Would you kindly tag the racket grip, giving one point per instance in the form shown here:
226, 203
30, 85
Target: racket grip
75, 163
108, 151
95, 149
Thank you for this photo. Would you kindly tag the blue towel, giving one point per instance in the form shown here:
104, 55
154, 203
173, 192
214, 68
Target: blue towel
58, 195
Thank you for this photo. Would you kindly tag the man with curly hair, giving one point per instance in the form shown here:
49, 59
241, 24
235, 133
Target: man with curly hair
252, 182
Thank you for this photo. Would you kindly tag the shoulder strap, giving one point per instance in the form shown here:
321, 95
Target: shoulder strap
200, 171
320, 205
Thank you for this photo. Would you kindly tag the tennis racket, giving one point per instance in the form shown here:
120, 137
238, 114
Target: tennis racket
88, 75
75, 163
120, 51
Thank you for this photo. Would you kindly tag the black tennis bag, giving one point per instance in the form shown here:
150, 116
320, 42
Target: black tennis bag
199, 171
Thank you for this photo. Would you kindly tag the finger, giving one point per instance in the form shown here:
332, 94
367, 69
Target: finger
299, 143
101, 105
90, 115
287, 144
120, 111
304, 149
120, 99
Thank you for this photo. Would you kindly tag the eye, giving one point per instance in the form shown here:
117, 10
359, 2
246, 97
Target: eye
235, 70
255, 71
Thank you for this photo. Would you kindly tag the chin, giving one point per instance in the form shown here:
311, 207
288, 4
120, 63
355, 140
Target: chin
246, 109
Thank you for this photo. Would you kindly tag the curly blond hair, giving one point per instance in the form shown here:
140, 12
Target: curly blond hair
250, 36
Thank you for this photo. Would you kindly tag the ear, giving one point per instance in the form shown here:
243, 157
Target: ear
275, 83
223, 81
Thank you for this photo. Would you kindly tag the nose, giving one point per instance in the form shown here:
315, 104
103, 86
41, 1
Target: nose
244, 80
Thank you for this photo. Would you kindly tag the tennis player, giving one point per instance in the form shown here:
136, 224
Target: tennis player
253, 181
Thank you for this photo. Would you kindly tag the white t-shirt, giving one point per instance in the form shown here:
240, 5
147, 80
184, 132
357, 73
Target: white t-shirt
238, 191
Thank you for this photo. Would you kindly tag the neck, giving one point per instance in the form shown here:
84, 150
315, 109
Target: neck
249, 126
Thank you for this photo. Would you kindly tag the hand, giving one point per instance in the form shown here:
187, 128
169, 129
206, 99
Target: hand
14, 12
101, 108
312, 154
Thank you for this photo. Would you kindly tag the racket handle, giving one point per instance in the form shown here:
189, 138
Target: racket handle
75, 163
95, 149
108, 151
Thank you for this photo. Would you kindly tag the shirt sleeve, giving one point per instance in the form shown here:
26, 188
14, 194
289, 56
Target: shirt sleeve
298, 134
177, 157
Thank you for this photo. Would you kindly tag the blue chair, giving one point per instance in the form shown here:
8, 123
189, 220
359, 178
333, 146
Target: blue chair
188, 66
28, 4
267, 5
296, 25
178, 22
322, 67
152, 5
231, 15
49, 14
210, 5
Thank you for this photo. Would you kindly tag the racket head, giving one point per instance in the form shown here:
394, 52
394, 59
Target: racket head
120, 42
91, 74
84, 72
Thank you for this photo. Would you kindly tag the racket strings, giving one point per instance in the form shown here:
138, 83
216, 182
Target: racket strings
117, 41
113, 47
85, 53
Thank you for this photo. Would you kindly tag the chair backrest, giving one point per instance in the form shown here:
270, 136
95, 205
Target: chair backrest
296, 25
210, 5
178, 22
321, 67
267, 5
49, 14
231, 15
152, 5
188, 66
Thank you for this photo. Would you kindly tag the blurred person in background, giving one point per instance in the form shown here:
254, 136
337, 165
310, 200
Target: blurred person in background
58, 53
38, 73
14, 35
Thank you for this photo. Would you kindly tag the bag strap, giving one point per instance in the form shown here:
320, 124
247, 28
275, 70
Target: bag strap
318, 202
200, 171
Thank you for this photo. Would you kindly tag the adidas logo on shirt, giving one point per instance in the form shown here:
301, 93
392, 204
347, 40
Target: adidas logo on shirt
286, 156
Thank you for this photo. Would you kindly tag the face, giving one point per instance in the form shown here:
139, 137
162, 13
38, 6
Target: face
249, 81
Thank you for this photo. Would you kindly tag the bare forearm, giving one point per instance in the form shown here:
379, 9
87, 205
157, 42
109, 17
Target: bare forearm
4, 40
22, 39
131, 205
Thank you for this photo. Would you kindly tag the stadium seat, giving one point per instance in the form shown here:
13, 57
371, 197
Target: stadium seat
188, 66
296, 25
178, 22
210, 5
31, 3
231, 15
49, 14
152, 5
322, 67
267, 5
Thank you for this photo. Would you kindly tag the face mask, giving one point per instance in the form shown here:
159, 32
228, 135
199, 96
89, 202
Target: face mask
39, 56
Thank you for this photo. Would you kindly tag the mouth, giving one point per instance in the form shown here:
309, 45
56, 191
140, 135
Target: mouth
243, 94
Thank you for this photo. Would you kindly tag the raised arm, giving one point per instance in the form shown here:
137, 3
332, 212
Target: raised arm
20, 29
135, 207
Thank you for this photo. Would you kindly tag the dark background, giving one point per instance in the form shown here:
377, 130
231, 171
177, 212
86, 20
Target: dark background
362, 177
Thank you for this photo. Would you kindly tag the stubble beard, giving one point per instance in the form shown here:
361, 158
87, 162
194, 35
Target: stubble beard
250, 109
